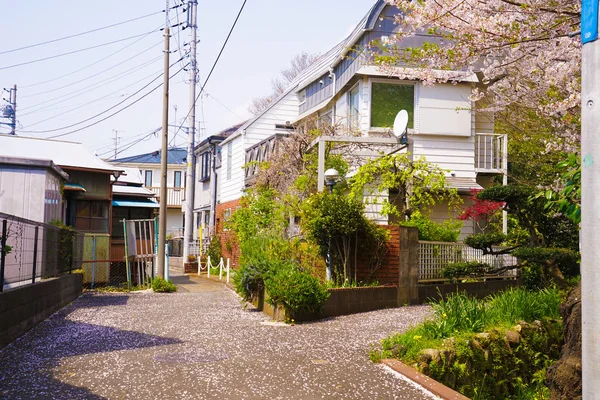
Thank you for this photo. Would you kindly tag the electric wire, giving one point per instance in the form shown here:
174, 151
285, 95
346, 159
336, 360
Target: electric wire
213, 66
81, 33
105, 111
73, 51
92, 64
116, 112
95, 100
84, 90
94, 75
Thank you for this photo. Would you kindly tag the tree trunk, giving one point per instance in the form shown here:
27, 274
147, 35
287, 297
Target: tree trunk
564, 377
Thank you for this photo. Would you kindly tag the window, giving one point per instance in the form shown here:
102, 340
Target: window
91, 216
302, 96
205, 166
177, 179
229, 160
148, 179
387, 100
353, 112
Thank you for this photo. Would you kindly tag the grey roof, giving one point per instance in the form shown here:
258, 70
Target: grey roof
34, 163
62, 153
175, 155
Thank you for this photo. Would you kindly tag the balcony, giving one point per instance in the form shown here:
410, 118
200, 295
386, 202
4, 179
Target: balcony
491, 153
175, 196
258, 154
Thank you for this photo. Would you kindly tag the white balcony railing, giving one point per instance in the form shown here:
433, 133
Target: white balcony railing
491, 152
175, 196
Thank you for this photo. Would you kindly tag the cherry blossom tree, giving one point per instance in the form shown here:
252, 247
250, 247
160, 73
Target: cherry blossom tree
523, 51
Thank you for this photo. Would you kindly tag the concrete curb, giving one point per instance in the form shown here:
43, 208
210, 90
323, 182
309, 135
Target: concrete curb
426, 382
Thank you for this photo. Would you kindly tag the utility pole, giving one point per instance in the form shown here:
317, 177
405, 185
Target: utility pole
10, 111
162, 215
13, 103
116, 140
590, 200
190, 180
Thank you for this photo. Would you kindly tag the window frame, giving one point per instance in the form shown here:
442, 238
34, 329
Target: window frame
394, 82
355, 88
146, 172
229, 160
90, 218
175, 174
204, 166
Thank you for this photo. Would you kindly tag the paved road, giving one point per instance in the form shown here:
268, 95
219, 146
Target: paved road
195, 344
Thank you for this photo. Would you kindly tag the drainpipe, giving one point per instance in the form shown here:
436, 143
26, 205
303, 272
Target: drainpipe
213, 200
333, 112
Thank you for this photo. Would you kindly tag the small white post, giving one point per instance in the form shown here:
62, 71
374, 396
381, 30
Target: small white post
221, 269
199, 265
228, 270
208, 265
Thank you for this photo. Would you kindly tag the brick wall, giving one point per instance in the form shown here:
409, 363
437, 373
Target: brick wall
387, 274
229, 243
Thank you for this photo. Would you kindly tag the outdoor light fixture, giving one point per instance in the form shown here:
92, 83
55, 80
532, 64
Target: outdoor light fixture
332, 176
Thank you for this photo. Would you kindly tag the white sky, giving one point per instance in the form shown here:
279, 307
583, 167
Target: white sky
268, 35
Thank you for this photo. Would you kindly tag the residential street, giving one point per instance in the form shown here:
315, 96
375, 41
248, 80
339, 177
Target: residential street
195, 344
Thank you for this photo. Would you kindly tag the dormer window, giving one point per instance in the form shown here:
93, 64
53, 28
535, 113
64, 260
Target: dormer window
387, 99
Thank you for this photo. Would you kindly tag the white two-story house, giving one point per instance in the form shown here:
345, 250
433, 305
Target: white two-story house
149, 165
361, 99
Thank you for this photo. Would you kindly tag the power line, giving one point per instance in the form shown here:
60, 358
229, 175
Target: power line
83, 33
93, 101
105, 111
94, 75
94, 63
84, 90
133, 143
214, 64
116, 112
74, 51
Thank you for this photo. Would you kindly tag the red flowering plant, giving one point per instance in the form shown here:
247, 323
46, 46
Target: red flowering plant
481, 212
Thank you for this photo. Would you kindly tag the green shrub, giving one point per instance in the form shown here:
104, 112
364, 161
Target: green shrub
447, 231
454, 271
296, 291
485, 241
161, 285
214, 250
567, 260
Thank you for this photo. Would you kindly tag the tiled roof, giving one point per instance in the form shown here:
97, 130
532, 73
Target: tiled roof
175, 155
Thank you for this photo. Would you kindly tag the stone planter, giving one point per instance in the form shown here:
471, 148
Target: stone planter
190, 267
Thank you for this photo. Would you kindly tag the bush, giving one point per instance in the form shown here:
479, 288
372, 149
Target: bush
296, 291
454, 271
259, 256
447, 231
161, 285
214, 249
567, 260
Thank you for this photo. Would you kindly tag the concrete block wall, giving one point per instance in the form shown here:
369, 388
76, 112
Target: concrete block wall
23, 308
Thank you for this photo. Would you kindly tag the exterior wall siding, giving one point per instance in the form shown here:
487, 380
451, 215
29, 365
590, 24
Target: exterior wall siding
22, 193
456, 154
232, 189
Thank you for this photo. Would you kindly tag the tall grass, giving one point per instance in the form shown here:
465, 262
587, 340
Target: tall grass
460, 315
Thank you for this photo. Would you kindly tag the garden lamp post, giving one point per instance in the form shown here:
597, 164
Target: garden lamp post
331, 178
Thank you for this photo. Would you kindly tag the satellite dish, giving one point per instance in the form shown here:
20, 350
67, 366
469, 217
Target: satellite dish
400, 123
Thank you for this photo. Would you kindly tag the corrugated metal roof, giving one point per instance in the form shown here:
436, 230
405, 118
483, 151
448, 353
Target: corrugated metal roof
132, 191
176, 155
62, 153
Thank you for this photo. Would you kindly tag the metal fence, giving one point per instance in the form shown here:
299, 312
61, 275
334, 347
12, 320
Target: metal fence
434, 256
31, 251
114, 273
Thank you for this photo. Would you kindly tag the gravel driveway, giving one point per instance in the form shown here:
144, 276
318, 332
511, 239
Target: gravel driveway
199, 343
